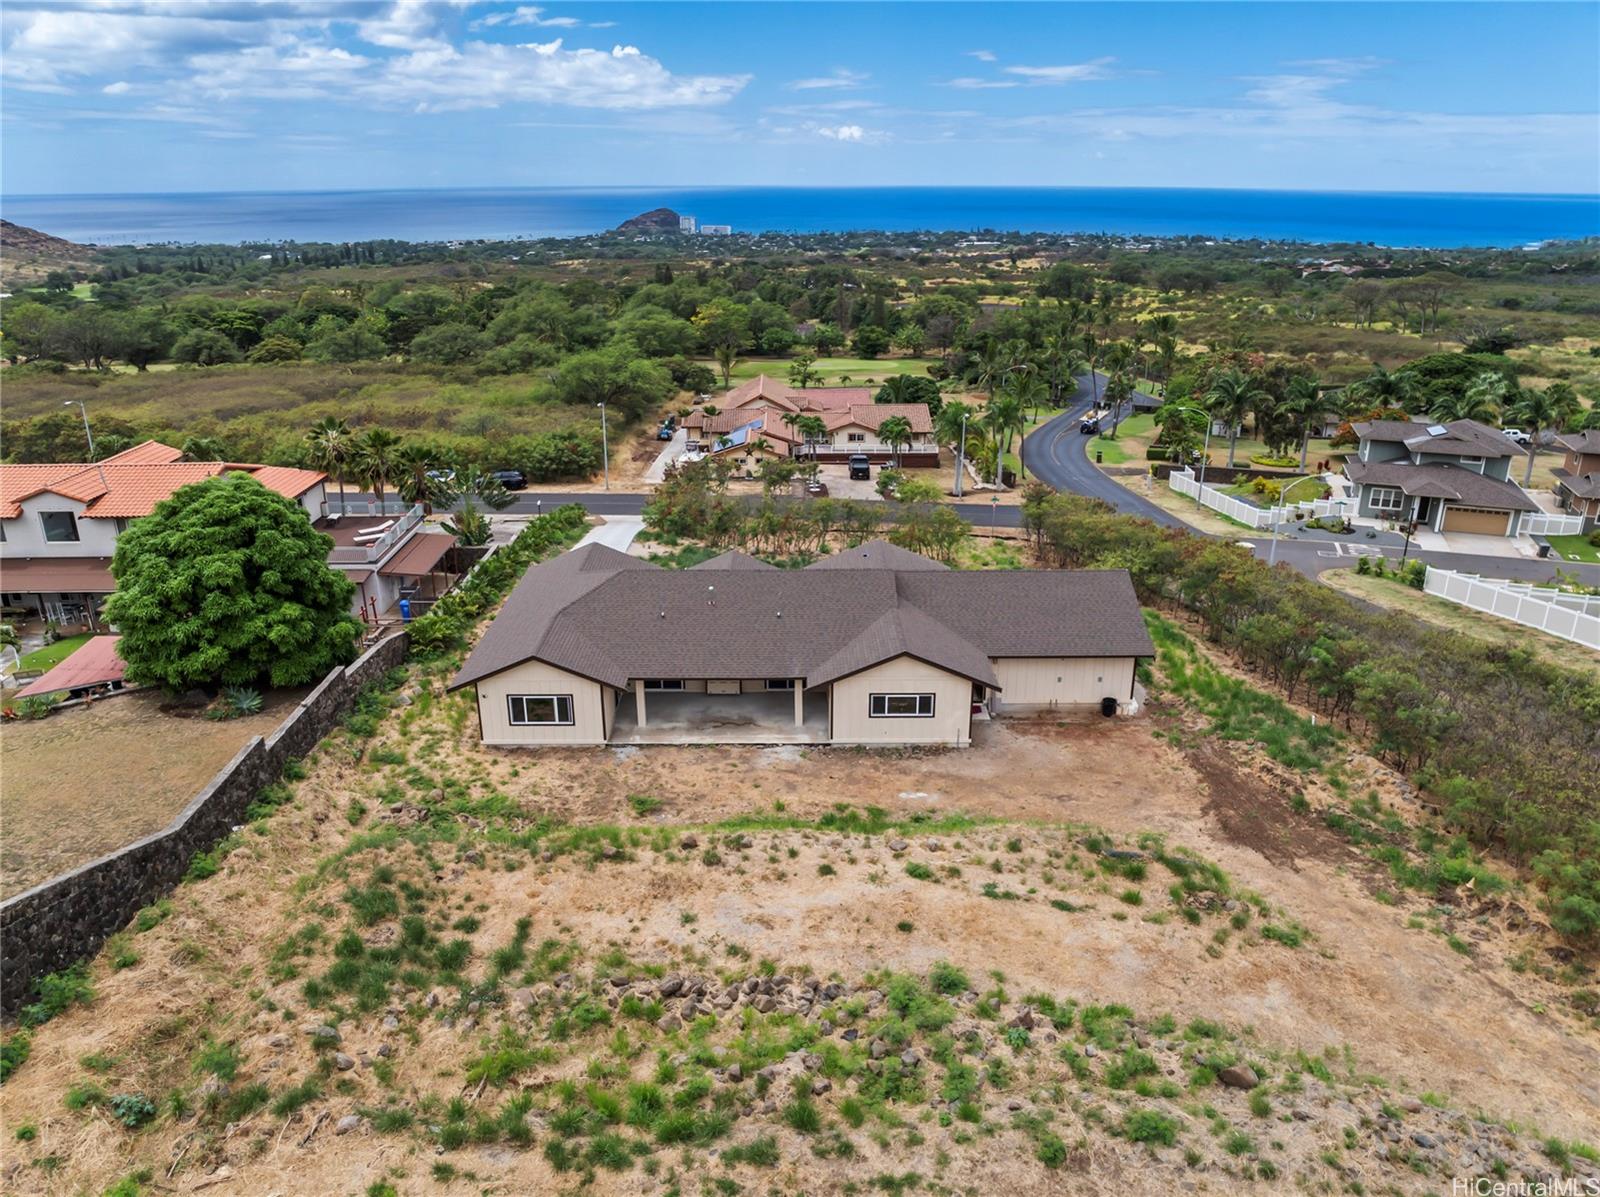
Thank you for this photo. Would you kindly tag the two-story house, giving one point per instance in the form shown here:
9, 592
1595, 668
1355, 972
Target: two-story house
59, 524
1578, 476
1451, 477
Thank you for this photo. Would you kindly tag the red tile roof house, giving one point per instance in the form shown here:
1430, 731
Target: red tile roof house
873, 646
755, 410
59, 525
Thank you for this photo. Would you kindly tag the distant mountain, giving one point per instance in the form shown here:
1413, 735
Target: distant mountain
657, 220
28, 255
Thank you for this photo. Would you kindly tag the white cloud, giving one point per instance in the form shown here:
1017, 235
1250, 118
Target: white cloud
969, 83
983, 55
840, 77
528, 14
121, 87
844, 133
1077, 72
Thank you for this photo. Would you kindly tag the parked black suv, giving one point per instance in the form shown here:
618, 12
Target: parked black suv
510, 479
860, 467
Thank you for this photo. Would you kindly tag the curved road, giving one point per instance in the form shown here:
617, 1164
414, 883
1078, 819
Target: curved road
1058, 455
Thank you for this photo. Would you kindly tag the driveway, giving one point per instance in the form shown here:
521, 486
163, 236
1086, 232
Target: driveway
669, 454
618, 532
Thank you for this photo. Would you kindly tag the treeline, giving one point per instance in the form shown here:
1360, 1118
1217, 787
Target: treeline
1508, 744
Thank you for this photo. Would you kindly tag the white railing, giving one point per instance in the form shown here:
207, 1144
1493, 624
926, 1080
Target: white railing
1184, 482
1542, 523
379, 548
1574, 617
367, 507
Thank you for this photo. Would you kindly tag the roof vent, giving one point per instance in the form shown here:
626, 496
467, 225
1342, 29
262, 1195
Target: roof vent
1437, 430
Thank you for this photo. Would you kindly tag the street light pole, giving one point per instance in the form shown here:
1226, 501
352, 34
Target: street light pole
84, 411
961, 456
605, 447
1277, 512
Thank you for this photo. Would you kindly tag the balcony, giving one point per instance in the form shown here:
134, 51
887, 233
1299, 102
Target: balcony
367, 534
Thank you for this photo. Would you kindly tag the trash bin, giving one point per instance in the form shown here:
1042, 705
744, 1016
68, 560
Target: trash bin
1098, 457
405, 610
1544, 548
1108, 706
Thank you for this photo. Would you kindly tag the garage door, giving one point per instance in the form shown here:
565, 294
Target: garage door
1476, 519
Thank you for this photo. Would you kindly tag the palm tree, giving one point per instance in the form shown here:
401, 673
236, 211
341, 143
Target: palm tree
376, 461
1163, 331
1233, 395
814, 429
1302, 403
329, 446
1568, 407
1028, 389
1091, 354
1003, 418
1118, 356
894, 432
1383, 389
1481, 400
414, 461
992, 369
898, 386
1538, 411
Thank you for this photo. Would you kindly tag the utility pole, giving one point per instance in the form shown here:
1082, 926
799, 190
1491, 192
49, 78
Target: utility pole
961, 456
605, 448
83, 411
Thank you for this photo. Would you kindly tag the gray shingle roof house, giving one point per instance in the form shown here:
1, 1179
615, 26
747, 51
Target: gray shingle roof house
1450, 477
876, 645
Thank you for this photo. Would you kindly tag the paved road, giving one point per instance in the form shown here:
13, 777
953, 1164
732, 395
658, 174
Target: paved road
1058, 455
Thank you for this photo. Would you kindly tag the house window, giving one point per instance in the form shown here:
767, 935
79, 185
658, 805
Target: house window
663, 683
857, 436
60, 527
901, 706
533, 710
122, 525
1472, 463
780, 683
1385, 498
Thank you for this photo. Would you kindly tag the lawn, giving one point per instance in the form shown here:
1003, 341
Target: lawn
1575, 548
51, 655
831, 371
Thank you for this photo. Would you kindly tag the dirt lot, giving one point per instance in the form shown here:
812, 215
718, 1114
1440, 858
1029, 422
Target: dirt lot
1012, 896
86, 781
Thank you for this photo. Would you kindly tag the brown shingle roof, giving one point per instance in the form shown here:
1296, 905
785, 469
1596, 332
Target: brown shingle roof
1587, 441
733, 559
611, 617
1460, 437
1455, 483
877, 554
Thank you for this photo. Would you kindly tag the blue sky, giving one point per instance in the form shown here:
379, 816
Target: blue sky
196, 95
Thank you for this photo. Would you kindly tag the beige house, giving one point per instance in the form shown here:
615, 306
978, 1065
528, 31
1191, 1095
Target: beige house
873, 646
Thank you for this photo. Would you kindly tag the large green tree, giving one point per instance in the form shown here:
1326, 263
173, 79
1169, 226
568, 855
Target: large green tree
227, 583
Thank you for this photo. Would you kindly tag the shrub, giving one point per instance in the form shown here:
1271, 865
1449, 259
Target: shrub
947, 979
133, 1110
1150, 1126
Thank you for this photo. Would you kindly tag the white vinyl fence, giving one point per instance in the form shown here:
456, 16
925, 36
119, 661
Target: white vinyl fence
1542, 523
1574, 617
1184, 482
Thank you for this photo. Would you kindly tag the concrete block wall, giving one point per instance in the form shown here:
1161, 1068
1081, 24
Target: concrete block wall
68, 918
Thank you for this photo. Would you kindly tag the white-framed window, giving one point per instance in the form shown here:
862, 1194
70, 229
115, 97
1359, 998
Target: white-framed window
60, 527
1471, 463
900, 706
1385, 498
535, 710
855, 437
780, 683
663, 683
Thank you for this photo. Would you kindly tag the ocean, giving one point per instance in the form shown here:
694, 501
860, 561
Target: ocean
1443, 220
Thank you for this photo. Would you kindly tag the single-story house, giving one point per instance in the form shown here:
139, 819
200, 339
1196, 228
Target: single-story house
1578, 475
852, 419
1450, 477
875, 645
